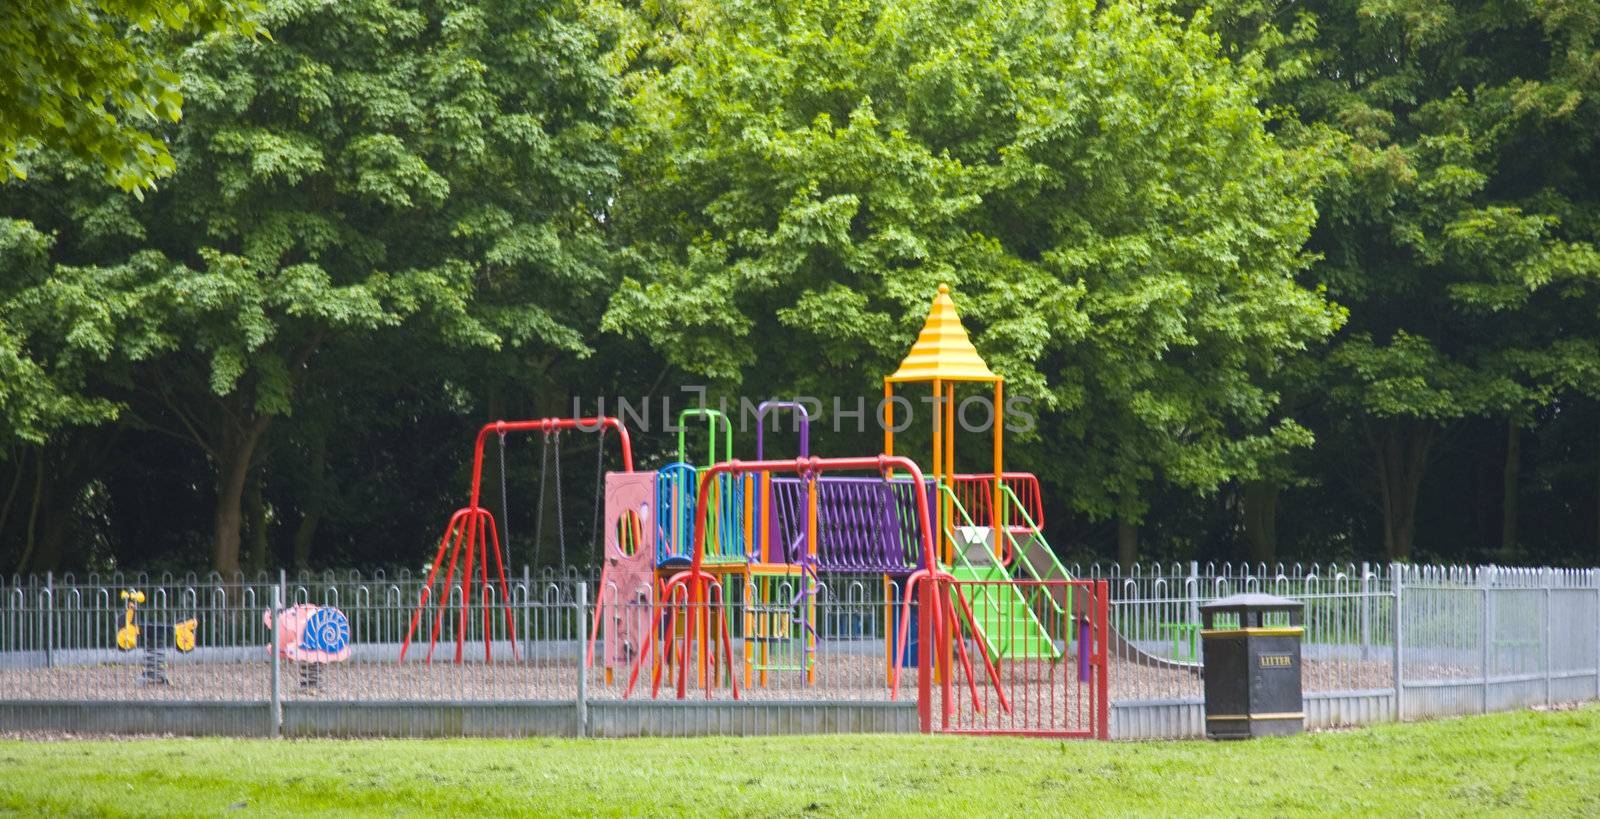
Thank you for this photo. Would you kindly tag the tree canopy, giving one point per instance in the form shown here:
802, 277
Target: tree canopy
96, 78
1460, 225
1125, 233
376, 174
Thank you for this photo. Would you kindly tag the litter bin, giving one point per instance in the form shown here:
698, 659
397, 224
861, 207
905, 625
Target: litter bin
1252, 666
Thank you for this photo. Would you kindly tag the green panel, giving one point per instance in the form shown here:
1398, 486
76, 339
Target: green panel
1004, 619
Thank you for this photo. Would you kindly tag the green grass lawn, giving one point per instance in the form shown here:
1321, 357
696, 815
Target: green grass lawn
1522, 763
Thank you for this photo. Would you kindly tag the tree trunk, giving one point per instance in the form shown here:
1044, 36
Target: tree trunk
233, 468
55, 491
1127, 542
1508, 503
1261, 520
53, 532
256, 509
1401, 450
16, 485
304, 535
61, 472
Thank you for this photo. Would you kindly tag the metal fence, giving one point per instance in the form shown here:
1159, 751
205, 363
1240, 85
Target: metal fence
521, 671
1381, 643
1471, 639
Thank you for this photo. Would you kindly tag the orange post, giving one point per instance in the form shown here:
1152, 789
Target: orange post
999, 517
945, 505
888, 422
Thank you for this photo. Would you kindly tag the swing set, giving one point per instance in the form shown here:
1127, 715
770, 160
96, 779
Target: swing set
473, 537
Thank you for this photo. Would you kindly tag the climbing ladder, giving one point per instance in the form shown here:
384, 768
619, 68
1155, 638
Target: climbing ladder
779, 625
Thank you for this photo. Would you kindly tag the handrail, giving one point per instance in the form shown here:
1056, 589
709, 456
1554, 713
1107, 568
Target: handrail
984, 495
802, 416
949, 533
961, 554
1020, 554
711, 417
1055, 562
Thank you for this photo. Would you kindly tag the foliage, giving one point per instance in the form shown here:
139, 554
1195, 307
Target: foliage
1461, 226
1124, 232
378, 173
392, 219
95, 79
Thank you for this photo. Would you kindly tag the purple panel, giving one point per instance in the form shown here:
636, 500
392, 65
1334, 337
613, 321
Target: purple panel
864, 524
787, 536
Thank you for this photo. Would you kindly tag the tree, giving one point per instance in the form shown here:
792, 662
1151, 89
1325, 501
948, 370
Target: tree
428, 175
1092, 179
95, 78
1460, 227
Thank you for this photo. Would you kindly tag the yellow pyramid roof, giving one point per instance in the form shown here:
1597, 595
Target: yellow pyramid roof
943, 349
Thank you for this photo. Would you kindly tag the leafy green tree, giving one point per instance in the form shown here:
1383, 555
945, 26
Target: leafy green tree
1460, 228
425, 175
1093, 180
96, 78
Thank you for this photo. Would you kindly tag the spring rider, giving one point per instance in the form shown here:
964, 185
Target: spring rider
311, 637
153, 637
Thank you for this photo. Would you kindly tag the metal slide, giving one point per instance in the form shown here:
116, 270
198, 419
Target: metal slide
1035, 560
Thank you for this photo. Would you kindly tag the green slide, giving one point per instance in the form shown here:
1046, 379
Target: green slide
1006, 622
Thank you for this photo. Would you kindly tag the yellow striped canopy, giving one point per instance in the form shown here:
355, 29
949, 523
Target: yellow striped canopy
943, 350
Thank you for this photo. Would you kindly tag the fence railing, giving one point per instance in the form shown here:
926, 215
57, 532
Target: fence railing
793, 638
1381, 643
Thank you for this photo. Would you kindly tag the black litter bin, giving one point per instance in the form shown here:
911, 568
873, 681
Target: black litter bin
1252, 666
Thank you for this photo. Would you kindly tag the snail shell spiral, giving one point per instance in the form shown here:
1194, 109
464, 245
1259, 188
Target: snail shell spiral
327, 630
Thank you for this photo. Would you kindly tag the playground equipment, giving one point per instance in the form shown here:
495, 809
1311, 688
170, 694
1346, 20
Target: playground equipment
472, 537
311, 636
154, 637
688, 543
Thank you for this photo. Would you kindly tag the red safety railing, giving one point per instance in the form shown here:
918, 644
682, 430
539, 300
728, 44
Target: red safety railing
975, 492
687, 602
1051, 675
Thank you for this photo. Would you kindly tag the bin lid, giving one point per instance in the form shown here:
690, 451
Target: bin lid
1254, 601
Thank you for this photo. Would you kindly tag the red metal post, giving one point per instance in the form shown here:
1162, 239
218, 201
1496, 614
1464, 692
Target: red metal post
1102, 628
427, 588
925, 607
695, 577
466, 583
474, 527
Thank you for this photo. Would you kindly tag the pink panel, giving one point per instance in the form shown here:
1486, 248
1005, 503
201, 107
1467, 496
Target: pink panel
629, 586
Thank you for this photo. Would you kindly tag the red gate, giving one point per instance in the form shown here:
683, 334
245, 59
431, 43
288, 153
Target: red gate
1031, 659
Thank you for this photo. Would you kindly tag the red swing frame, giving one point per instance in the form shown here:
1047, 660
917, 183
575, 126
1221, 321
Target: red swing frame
474, 527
